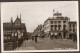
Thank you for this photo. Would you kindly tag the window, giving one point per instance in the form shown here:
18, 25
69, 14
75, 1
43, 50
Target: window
69, 25
51, 26
55, 28
55, 25
8, 37
51, 22
64, 21
64, 25
5, 37
73, 30
70, 29
55, 21
59, 21
73, 26
59, 25
59, 33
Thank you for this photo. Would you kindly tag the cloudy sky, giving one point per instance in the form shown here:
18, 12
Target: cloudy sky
35, 13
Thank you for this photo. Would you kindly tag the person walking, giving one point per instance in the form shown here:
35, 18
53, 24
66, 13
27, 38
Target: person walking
51, 36
36, 38
42, 35
32, 37
74, 38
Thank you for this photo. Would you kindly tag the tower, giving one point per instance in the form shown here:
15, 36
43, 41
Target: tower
17, 17
20, 17
11, 20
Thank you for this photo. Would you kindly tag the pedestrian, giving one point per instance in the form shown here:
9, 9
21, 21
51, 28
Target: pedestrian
56, 35
36, 38
51, 36
27, 38
43, 35
32, 37
74, 38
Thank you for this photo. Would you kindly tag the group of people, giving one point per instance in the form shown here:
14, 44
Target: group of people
42, 35
50, 35
35, 38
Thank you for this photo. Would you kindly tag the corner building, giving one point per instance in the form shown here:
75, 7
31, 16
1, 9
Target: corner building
58, 25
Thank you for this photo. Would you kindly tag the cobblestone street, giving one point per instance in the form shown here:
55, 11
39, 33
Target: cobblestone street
47, 44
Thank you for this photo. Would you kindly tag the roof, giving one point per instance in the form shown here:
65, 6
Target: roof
72, 22
57, 18
7, 24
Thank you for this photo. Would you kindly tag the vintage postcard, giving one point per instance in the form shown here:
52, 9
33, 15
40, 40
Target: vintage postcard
49, 26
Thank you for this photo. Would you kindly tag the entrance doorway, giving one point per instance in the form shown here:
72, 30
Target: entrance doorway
64, 35
60, 36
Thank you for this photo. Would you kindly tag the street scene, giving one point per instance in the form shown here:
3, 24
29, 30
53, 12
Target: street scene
47, 44
47, 26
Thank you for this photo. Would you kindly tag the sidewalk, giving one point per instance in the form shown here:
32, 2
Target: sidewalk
26, 45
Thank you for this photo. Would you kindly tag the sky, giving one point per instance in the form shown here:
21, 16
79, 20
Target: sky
35, 13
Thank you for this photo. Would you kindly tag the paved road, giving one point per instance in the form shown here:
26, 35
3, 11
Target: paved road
47, 44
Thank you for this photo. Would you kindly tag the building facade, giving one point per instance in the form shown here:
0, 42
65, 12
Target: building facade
14, 30
58, 25
72, 29
38, 30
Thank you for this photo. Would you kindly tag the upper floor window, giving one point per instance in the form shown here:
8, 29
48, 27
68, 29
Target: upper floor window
73, 26
69, 25
5, 37
55, 21
64, 21
55, 25
59, 25
51, 22
51, 26
73, 30
64, 25
59, 21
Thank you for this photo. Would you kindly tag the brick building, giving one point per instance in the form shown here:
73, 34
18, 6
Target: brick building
14, 29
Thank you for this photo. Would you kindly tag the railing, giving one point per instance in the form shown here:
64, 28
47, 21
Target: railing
11, 44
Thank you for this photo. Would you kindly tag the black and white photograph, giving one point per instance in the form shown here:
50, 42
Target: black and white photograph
44, 26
